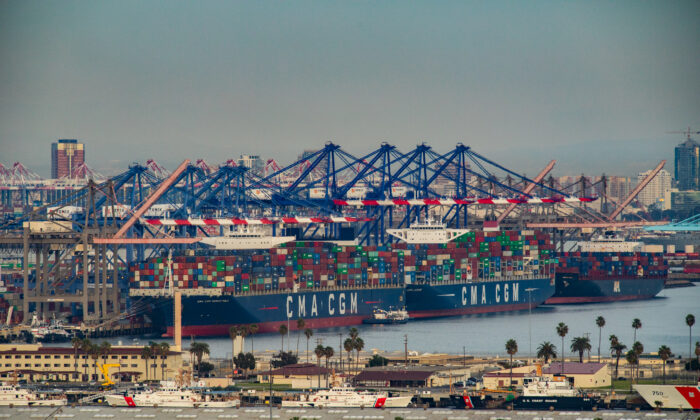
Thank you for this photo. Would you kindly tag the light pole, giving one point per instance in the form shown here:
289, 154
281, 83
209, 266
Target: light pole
529, 291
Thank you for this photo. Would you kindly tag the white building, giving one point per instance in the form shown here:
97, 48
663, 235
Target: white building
252, 162
657, 190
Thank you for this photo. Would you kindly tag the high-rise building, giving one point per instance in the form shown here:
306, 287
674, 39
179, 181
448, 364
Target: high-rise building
66, 155
688, 165
656, 190
252, 162
618, 187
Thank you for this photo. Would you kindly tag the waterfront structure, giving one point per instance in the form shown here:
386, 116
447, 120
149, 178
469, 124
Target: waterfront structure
687, 160
66, 155
656, 190
34, 362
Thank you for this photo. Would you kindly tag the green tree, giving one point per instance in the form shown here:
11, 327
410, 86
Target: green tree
690, 321
319, 351
638, 348
511, 349
300, 327
664, 354
616, 349
349, 346
94, 355
547, 351
154, 355
308, 333
359, 345
580, 345
378, 360
250, 361
562, 330
76, 343
636, 324
632, 360
198, 350
328, 353
600, 322
85, 347
252, 329
163, 351
146, 354
283, 330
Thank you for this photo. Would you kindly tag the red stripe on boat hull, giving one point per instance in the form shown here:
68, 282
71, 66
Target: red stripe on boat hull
216, 330
594, 299
468, 310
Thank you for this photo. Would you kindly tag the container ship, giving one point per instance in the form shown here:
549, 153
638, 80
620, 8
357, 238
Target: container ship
329, 285
479, 272
607, 271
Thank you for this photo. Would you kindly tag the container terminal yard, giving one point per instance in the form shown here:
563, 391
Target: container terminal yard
331, 240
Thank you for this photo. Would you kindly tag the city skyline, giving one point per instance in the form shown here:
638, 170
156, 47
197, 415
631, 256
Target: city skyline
593, 85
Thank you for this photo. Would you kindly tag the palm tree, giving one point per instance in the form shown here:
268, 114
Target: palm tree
154, 355
198, 350
638, 349
600, 322
636, 324
349, 346
104, 349
251, 330
562, 330
664, 354
358, 345
300, 326
547, 351
690, 321
85, 347
697, 354
511, 349
617, 348
319, 351
146, 354
94, 355
580, 344
354, 333
632, 359
283, 330
76, 343
308, 333
328, 352
163, 350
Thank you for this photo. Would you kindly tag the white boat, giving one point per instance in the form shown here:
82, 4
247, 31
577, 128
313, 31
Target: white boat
16, 396
245, 237
346, 396
685, 397
609, 242
392, 316
430, 232
168, 395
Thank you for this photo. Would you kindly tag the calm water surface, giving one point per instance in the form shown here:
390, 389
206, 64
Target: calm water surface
663, 322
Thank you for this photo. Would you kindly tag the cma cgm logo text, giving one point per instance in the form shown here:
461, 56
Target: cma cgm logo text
340, 304
502, 293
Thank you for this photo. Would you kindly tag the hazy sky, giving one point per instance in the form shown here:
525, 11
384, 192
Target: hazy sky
595, 85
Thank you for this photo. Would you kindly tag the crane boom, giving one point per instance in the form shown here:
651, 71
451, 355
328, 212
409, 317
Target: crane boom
637, 190
528, 189
167, 182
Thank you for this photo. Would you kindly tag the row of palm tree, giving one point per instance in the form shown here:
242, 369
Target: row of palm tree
244, 331
93, 350
354, 343
154, 350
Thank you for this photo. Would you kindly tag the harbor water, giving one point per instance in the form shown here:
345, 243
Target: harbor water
663, 323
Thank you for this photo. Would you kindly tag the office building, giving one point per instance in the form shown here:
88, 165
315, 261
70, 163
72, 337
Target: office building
66, 155
687, 162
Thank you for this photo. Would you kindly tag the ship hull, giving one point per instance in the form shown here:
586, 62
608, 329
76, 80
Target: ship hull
454, 299
557, 403
675, 397
213, 315
570, 289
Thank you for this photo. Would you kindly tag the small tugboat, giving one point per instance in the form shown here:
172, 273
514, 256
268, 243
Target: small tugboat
392, 316
544, 393
346, 396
